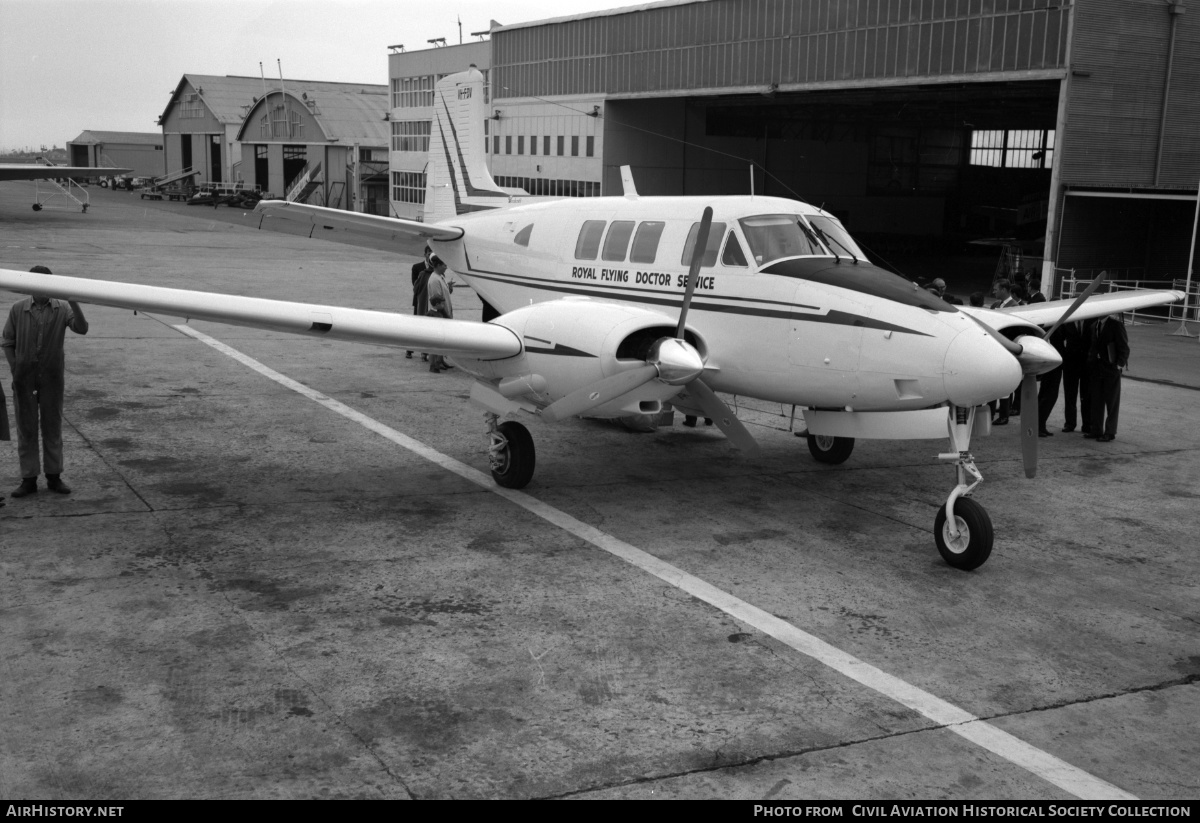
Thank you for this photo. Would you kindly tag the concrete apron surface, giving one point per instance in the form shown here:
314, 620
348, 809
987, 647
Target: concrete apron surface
251, 595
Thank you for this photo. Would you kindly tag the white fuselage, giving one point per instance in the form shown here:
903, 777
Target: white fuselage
808, 329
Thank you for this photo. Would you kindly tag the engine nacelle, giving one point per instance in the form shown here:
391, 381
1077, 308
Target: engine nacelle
575, 342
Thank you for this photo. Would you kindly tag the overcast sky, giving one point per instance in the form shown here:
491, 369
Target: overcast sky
111, 65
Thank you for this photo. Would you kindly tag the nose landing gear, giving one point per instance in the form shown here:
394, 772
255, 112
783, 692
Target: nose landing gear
962, 529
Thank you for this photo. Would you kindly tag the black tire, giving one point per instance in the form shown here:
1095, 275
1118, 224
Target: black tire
517, 458
37, 206
974, 544
832, 450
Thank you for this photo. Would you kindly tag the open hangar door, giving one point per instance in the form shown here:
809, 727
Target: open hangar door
920, 174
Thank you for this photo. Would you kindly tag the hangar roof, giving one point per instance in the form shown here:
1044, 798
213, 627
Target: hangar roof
151, 138
345, 110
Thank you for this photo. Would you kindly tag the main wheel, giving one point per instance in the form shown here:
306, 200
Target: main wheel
37, 206
973, 545
826, 449
513, 458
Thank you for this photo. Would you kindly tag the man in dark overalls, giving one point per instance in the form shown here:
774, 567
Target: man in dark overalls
33, 346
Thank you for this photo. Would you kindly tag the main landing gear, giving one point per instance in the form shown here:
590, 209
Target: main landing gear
511, 453
964, 540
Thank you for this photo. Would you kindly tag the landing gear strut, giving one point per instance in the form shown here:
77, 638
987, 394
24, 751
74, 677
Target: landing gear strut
511, 453
962, 528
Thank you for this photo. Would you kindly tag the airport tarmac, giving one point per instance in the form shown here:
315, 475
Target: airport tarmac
267, 589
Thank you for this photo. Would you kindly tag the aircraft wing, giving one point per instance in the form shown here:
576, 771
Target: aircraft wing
372, 224
484, 341
1098, 305
36, 171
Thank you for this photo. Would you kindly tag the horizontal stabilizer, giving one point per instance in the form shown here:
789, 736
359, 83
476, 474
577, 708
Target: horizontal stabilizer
372, 224
454, 338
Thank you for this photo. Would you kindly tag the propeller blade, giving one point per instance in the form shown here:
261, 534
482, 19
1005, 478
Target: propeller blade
715, 409
1095, 284
1029, 423
694, 268
1013, 348
599, 393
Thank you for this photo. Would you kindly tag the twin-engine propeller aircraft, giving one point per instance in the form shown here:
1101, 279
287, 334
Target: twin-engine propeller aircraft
613, 306
39, 171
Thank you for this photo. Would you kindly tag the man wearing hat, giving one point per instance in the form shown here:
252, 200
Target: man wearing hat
33, 346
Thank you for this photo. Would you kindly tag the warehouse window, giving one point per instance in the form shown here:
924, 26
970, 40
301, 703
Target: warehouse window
521, 144
533, 145
496, 144
574, 146
591, 147
546, 145
412, 92
560, 146
411, 135
508, 144
191, 107
1013, 148
408, 186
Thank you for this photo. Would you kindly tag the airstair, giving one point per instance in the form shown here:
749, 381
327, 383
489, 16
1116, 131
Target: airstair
54, 195
308, 181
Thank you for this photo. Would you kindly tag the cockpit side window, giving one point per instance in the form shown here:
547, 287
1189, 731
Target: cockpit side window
617, 240
588, 244
733, 255
645, 242
715, 234
774, 236
522, 238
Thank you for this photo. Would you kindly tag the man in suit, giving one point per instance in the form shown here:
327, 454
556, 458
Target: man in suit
1076, 339
1108, 358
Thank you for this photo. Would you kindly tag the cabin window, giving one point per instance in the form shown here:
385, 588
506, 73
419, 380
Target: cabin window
715, 233
522, 238
645, 242
588, 245
617, 241
733, 255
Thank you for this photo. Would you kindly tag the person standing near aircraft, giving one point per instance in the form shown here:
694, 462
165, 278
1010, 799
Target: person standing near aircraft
1075, 338
1108, 358
33, 346
4, 433
420, 302
439, 303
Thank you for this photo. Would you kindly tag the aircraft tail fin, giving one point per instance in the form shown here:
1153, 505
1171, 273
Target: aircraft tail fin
457, 178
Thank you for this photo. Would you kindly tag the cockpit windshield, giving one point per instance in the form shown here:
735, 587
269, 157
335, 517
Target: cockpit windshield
775, 236
837, 238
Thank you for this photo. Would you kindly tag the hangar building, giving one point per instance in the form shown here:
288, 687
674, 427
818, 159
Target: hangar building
140, 151
1069, 128
323, 143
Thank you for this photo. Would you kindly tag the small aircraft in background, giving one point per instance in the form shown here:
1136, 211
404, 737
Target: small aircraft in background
51, 173
612, 307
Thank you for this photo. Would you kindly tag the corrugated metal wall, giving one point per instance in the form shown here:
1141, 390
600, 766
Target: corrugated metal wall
739, 43
1114, 112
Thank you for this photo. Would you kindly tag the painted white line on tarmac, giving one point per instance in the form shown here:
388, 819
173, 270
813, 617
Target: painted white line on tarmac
944, 714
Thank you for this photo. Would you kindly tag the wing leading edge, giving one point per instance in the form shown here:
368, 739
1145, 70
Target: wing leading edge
1099, 305
461, 338
372, 224
36, 171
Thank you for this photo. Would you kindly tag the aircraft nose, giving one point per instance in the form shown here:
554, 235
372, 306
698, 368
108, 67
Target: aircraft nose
978, 369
